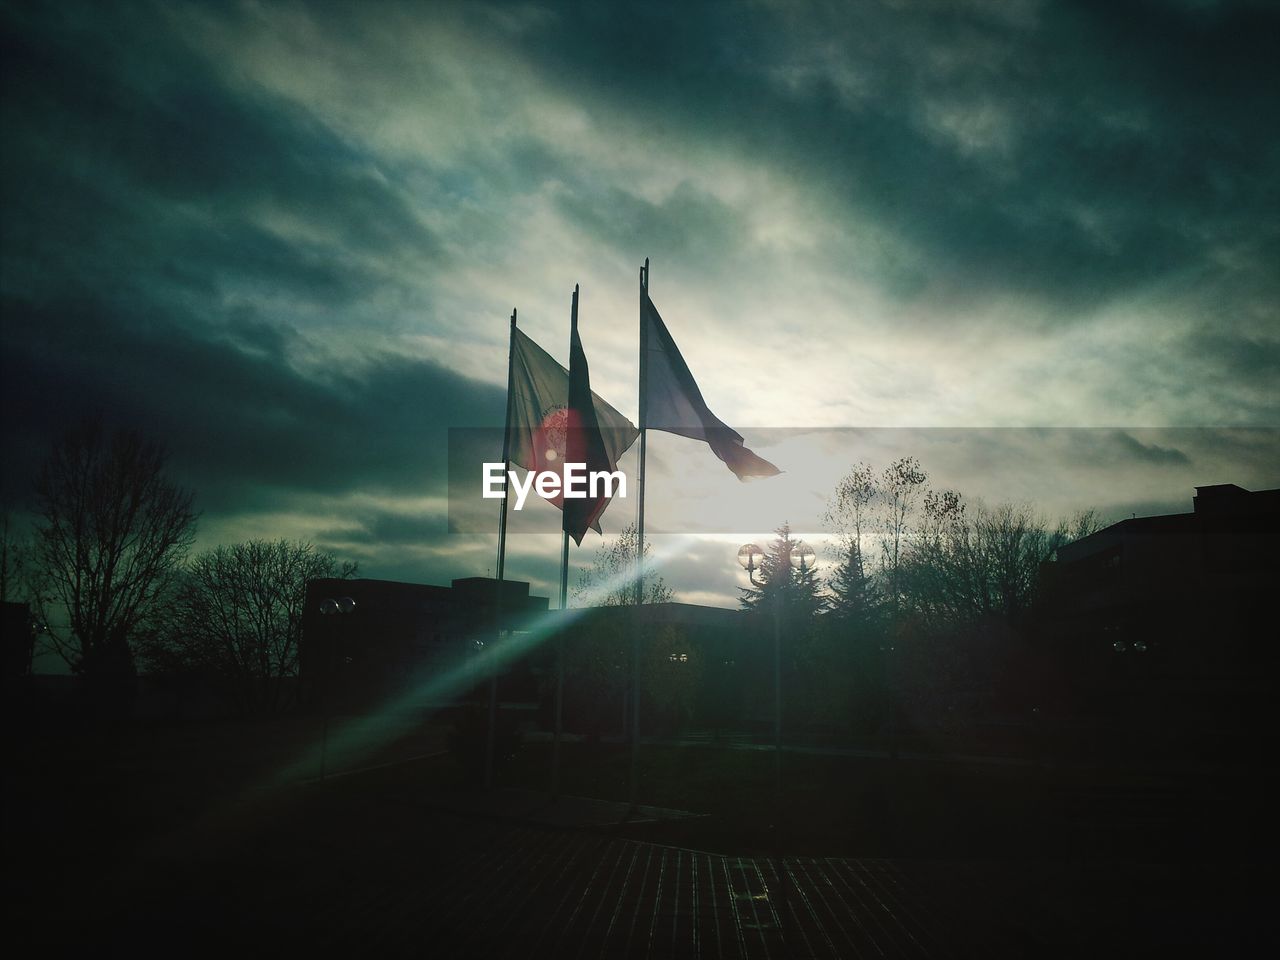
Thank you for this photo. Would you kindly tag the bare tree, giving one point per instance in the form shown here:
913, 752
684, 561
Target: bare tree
901, 484
111, 534
238, 615
983, 563
610, 581
934, 619
848, 510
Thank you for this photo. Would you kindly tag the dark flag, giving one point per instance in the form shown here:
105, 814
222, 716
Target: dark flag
539, 404
674, 404
539, 423
584, 442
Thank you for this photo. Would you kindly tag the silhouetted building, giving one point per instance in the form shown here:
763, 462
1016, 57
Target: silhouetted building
425, 645
1176, 612
408, 639
692, 669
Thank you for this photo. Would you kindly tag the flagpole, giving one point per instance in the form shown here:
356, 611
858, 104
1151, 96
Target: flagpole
564, 593
636, 627
555, 743
491, 736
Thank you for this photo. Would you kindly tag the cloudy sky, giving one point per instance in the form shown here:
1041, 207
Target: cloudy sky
285, 238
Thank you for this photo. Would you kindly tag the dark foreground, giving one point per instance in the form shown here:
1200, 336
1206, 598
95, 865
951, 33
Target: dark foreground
215, 838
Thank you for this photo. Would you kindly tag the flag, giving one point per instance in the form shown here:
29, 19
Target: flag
584, 442
539, 416
673, 403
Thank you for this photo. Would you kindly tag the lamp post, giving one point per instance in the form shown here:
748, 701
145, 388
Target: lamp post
749, 556
331, 608
802, 559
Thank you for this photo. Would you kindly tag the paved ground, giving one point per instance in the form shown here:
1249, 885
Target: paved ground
382, 861
371, 866
478, 889
615, 898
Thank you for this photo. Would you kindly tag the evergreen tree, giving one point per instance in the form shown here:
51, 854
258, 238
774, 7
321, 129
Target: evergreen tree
853, 598
795, 593
783, 606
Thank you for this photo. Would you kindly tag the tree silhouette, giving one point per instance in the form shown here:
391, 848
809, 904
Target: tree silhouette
981, 564
849, 682
937, 605
610, 580
782, 607
849, 509
238, 616
797, 592
112, 532
901, 484
853, 598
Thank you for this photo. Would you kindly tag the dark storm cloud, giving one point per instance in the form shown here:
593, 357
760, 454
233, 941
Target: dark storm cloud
246, 423
1131, 448
131, 102
1072, 152
982, 451
131, 164
383, 527
133, 182
1240, 355
686, 224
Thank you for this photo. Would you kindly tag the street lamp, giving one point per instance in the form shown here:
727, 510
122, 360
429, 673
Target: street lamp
341, 607
749, 555
802, 559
